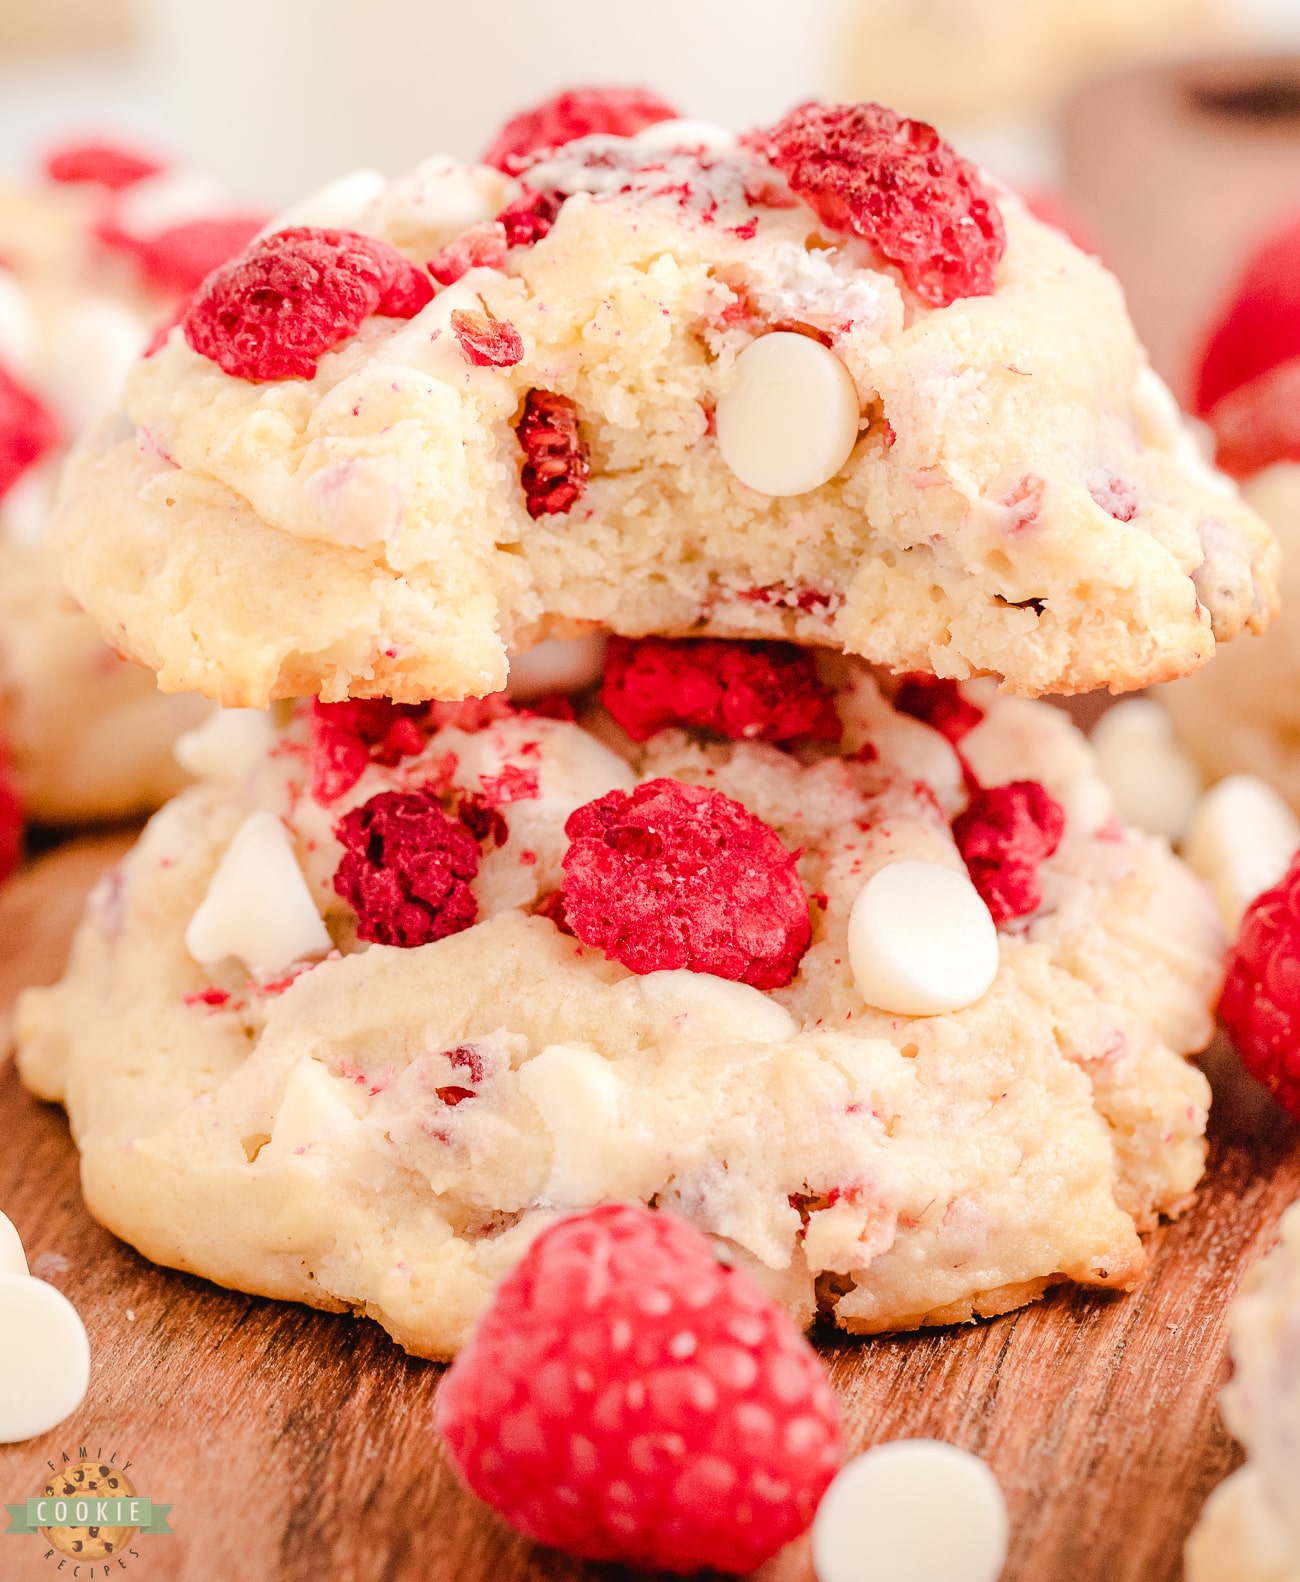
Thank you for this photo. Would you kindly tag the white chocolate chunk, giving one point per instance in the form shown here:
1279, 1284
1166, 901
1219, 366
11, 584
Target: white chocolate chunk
557, 665
338, 203
44, 1358
13, 1260
258, 907
598, 1150
921, 940
227, 747
916, 1510
1241, 841
790, 418
94, 347
685, 133
1154, 783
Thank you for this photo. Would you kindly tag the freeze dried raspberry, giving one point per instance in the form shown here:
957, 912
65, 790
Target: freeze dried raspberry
557, 465
103, 164
676, 876
865, 169
577, 112
407, 869
270, 313
1260, 1006
755, 691
486, 342
346, 738
940, 704
481, 246
1117, 497
628, 1397
1259, 423
11, 815
28, 430
483, 819
1260, 326
513, 784
552, 906
1003, 835
178, 260
530, 217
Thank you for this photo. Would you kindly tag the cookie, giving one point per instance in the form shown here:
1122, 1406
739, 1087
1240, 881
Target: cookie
1250, 1528
713, 389
88, 270
471, 965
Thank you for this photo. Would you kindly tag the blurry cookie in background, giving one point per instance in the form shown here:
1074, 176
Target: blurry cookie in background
92, 257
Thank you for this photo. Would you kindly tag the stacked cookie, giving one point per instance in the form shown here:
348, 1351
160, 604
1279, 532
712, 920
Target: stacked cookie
776, 914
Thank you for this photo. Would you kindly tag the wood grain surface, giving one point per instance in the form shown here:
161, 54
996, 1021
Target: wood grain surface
297, 1446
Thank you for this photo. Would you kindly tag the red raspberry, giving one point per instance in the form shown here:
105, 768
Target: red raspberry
678, 876
28, 430
754, 691
1003, 835
486, 342
101, 163
178, 260
940, 704
530, 217
481, 246
1260, 1006
346, 738
406, 870
1259, 423
270, 313
864, 169
557, 466
578, 112
628, 1397
11, 815
1260, 326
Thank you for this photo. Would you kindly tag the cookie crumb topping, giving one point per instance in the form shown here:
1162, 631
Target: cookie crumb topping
1003, 834
677, 876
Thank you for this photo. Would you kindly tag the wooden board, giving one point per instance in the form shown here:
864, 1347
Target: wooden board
297, 1446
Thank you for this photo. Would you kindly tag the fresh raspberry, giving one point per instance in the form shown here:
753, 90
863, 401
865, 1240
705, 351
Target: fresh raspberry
11, 815
530, 217
755, 691
1003, 835
676, 876
628, 1397
578, 112
407, 869
557, 463
1260, 326
103, 164
940, 704
270, 313
1260, 1006
346, 738
864, 169
178, 260
28, 430
1259, 423
486, 342
482, 246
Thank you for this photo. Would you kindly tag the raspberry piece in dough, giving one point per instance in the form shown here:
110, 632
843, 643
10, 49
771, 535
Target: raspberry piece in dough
481, 246
1003, 835
577, 112
862, 168
407, 869
627, 1397
347, 737
678, 876
755, 691
102, 164
273, 311
940, 704
486, 342
1260, 1006
557, 465
530, 217
28, 430
11, 816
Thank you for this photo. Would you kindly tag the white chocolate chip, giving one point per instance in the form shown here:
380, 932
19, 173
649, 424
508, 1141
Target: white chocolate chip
13, 1260
339, 203
227, 747
258, 907
789, 421
557, 665
44, 1358
685, 134
598, 1149
94, 347
1154, 783
916, 1510
699, 1008
921, 941
1241, 840
17, 325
